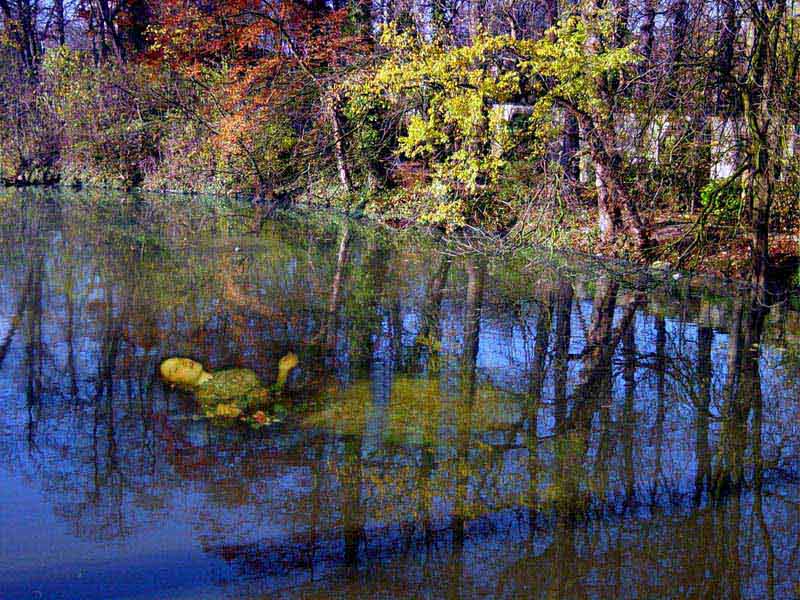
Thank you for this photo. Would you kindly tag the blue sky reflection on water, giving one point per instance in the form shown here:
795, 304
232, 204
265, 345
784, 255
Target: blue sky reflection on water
457, 426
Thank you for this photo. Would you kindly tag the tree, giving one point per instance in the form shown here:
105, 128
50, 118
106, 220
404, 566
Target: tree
20, 32
456, 98
768, 87
278, 61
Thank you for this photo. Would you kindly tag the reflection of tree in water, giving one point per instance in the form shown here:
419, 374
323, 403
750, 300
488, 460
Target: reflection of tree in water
459, 424
102, 437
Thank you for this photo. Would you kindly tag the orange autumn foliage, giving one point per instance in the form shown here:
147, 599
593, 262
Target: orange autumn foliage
263, 70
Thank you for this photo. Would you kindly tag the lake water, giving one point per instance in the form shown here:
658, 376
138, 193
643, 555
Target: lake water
458, 426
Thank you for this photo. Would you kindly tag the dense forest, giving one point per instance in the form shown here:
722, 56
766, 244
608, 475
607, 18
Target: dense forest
661, 129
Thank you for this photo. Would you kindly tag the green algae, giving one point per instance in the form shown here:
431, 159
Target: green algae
418, 408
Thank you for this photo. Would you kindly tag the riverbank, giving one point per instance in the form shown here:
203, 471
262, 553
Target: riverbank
679, 245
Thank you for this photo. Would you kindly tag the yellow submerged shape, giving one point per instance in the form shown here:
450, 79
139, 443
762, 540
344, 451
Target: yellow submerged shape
285, 366
184, 372
230, 411
416, 408
239, 386
226, 393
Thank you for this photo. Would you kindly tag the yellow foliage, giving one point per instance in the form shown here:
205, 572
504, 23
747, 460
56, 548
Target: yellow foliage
455, 99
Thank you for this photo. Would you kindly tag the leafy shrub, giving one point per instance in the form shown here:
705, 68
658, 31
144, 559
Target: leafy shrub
30, 133
722, 198
456, 101
111, 122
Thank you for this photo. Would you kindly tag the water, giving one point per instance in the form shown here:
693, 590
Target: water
457, 427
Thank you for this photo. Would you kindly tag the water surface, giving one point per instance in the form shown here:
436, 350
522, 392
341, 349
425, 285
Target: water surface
458, 426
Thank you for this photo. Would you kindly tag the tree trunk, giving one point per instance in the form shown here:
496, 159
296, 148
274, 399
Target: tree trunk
760, 183
680, 23
608, 217
19, 24
730, 26
647, 33
107, 17
615, 204
622, 15
570, 165
339, 146
61, 35
550, 13
765, 118
616, 208
477, 16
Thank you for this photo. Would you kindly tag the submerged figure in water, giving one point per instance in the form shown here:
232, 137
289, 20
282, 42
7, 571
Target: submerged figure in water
228, 393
